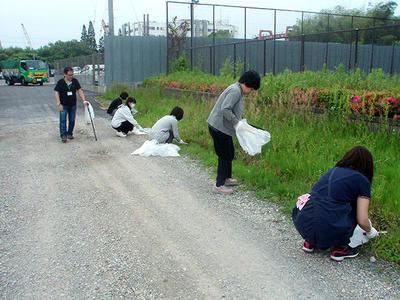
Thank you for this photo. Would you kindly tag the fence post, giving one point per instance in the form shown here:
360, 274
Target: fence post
273, 55
191, 35
327, 45
356, 50
371, 62
245, 44
391, 61
213, 72
265, 56
302, 54
93, 70
372, 50
234, 60
166, 28
211, 60
350, 44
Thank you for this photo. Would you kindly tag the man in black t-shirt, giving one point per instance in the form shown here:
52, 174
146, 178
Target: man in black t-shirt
65, 92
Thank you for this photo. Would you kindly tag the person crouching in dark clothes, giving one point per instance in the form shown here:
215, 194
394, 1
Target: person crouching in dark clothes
338, 202
123, 121
117, 102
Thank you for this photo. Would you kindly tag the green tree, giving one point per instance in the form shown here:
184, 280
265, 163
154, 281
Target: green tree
91, 37
61, 50
380, 15
221, 34
100, 48
84, 35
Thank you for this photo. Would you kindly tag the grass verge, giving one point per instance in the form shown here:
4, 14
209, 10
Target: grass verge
302, 148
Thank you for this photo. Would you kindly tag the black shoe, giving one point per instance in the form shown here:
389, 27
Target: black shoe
340, 253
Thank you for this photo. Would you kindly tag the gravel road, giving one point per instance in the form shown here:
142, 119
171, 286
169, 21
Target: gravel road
86, 220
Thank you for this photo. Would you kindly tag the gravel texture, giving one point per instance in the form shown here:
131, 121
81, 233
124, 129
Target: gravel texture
86, 220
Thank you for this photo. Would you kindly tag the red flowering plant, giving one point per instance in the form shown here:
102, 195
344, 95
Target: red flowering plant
376, 104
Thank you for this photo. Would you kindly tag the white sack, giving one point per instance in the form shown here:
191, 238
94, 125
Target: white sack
251, 139
153, 148
140, 131
359, 237
87, 117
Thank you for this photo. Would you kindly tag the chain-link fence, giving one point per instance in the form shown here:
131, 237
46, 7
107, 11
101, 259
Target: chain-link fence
272, 40
89, 70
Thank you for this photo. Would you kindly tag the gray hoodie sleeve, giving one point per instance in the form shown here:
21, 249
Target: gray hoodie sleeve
231, 99
175, 130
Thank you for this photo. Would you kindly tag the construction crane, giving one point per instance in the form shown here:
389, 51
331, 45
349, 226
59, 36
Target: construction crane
105, 27
28, 39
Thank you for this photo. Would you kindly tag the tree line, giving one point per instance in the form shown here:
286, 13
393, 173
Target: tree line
58, 50
340, 19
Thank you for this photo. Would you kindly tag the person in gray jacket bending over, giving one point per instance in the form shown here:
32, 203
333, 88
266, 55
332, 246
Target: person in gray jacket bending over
223, 118
166, 129
123, 121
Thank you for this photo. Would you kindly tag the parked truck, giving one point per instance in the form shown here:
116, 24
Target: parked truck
24, 71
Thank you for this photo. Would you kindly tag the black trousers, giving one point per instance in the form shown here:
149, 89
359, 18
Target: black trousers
125, 127
223, 145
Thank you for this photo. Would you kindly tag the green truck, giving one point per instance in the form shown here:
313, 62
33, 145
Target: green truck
24, 71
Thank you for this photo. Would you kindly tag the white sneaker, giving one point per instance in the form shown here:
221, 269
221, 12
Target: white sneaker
121, 134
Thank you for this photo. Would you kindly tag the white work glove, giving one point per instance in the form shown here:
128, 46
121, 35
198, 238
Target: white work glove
373, 233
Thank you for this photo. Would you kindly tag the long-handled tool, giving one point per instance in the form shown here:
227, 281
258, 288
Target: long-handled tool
91, 121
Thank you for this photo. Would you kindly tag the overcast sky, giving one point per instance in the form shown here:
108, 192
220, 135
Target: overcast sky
47, 21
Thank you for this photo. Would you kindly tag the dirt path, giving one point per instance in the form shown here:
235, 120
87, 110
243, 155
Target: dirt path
88, 220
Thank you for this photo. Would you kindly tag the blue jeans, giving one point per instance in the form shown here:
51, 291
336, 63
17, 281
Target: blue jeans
70, 111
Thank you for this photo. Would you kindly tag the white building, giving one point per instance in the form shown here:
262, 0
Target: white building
201, 28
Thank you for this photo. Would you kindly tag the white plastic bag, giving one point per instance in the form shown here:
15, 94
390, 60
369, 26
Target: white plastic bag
87, 117
153, 148
359, 237
251, 139
140, 131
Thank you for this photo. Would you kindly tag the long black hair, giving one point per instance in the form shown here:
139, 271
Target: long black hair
177, 112
359, 159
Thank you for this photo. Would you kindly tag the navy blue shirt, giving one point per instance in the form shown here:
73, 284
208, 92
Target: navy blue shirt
330, 216
346, 185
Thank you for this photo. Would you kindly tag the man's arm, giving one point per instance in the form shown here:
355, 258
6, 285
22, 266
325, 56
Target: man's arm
60, 107
82, 95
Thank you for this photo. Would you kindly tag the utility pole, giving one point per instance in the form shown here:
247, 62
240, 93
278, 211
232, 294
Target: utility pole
192, 3
111, 17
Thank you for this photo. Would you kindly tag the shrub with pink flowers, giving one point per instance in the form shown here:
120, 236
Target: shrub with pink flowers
376, 104
370, 103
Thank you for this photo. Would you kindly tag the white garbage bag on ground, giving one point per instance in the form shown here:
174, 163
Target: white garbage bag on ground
251, 139
87, 117
140, 131
153, 148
